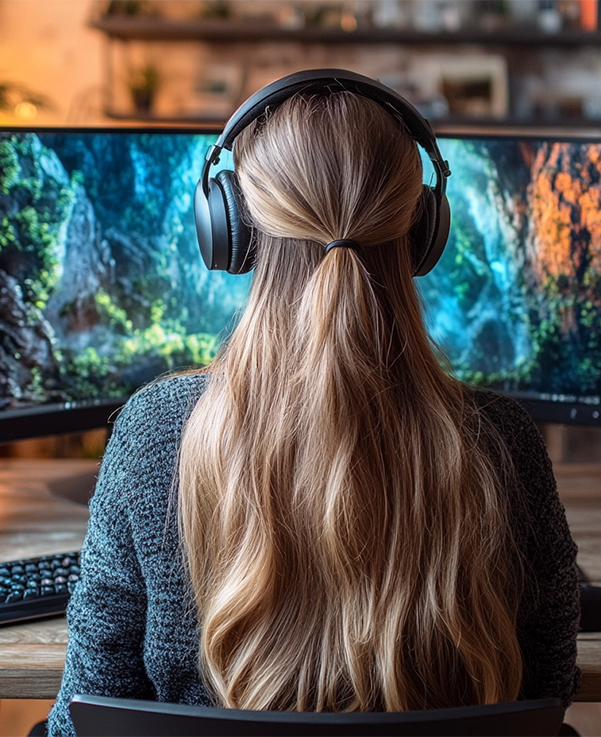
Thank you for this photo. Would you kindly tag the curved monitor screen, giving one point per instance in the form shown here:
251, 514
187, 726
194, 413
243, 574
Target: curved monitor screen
101, 284
515, 301
102, 287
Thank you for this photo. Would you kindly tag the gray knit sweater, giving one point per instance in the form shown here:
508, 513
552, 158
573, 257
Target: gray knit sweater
132, 627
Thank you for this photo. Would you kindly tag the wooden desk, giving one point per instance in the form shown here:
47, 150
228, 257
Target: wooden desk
33, 521
580, 489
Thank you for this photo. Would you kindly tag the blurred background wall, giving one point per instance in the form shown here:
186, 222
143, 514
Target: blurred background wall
84, 62
47, 48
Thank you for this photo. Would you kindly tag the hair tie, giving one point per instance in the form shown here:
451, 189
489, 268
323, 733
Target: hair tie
343, 243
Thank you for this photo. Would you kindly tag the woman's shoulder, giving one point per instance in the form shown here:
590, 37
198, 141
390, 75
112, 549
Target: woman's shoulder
169, 398
150, 424
144, 443
521, 437
524, 442
508, 415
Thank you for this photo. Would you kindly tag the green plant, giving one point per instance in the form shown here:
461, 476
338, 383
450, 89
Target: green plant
143, 85
216, 9
126, 7
146, 78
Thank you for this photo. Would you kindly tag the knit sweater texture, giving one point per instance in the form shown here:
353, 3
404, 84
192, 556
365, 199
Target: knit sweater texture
132, 625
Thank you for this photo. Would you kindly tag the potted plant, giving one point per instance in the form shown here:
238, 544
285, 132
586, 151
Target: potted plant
143, 86
127, 7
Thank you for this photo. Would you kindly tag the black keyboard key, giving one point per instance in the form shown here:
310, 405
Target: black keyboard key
37, 587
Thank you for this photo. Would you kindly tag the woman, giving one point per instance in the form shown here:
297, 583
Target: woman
360, 531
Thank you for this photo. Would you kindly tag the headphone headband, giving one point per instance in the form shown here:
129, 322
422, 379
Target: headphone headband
326, 80
226, 240
331, 80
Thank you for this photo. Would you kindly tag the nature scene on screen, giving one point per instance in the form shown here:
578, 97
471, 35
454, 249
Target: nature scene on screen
515, 300
102, 287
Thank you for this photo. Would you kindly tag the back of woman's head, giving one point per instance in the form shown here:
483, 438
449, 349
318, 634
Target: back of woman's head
326, 168
345, 528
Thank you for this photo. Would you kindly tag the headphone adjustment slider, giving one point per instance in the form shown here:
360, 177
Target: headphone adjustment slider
213, 154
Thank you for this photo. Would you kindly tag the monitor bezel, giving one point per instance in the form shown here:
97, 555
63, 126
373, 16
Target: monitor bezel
560, 413
25, 423
573, 134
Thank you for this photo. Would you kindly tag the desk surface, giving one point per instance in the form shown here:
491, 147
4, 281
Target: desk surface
580, 489
34, 521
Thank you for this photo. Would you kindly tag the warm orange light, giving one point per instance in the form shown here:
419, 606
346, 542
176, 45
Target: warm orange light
26, 110
348, 22
589, 14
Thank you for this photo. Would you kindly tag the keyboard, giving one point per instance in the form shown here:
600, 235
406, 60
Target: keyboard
31, 588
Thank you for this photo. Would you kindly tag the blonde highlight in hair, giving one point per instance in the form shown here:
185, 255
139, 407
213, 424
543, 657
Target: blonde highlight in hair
346, 529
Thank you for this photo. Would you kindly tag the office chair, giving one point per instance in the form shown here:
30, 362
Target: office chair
100, 716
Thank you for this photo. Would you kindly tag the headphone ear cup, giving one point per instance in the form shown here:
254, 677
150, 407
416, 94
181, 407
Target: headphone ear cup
423, 230
240, 256
429, 235
204, 226
212, 225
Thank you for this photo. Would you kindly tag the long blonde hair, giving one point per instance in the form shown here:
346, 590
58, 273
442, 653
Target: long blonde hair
346, 531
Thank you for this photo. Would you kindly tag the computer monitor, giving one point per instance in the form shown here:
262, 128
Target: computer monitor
515, 301
101, 283
102, 287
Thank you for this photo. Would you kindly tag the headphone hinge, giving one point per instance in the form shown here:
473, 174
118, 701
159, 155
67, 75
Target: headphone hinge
213, 154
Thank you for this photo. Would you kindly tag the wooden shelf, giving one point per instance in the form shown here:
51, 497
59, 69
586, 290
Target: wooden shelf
215, 31
451, 124
523, 39
192, 121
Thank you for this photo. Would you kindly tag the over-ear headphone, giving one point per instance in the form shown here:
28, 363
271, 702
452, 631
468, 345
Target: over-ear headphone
224, 237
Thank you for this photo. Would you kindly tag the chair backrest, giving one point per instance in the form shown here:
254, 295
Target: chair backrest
100, 716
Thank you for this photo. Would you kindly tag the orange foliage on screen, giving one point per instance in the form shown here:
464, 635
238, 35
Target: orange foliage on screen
565, 202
